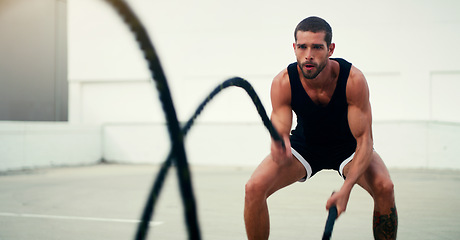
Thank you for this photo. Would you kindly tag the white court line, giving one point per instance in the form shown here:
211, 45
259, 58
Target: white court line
26, 215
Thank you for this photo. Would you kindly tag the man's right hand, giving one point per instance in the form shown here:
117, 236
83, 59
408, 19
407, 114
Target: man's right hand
279, 153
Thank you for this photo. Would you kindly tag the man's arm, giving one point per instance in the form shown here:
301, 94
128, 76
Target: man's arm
281, 116
360, 122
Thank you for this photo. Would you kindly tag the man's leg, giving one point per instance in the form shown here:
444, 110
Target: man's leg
376, 180
266, 179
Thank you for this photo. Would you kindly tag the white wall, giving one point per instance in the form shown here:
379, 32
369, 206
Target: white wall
407, 53
44, 144
408, 144
28, 145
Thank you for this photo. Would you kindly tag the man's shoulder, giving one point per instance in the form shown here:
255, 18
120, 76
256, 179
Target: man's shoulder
357, 88
282, 79
281, 88
356, 76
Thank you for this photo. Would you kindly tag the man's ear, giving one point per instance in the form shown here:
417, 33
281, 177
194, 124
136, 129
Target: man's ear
331, 49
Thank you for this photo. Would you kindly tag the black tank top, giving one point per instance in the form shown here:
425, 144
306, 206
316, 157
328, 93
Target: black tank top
323, 129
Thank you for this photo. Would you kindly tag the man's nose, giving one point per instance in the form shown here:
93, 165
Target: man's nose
308, 55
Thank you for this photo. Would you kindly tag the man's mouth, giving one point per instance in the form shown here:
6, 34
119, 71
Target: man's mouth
309, 66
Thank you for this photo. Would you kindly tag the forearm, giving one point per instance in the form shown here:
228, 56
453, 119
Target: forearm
283, 130
282, 123
360, 163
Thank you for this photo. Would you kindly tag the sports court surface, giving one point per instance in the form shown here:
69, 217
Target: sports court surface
104, 202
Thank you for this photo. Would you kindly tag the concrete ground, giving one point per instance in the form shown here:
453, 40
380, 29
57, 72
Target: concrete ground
105, 201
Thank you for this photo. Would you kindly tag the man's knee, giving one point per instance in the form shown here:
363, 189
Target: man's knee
255, 190
384, 188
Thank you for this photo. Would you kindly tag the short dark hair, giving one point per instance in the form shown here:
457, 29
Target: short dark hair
315, 24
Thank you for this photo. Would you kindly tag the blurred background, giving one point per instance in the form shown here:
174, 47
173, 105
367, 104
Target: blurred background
76, 90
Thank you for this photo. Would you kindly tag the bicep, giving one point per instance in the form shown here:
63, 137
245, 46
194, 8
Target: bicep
359, 108
281, 116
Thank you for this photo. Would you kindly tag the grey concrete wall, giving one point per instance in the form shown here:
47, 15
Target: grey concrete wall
33, 60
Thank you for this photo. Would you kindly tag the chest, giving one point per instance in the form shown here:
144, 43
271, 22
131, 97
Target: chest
323, 95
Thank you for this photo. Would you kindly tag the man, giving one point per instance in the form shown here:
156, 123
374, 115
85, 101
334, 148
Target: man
334, 131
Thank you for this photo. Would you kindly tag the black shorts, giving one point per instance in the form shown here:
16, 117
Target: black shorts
315, 159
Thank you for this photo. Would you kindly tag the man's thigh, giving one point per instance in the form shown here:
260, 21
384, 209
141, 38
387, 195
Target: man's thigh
271, 176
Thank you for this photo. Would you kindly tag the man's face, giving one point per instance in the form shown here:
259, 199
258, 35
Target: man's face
312, 53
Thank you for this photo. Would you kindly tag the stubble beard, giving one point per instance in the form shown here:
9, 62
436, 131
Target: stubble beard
309, 74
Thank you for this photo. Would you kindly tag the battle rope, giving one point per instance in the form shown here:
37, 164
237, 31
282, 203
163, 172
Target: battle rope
158, 184
177, 151
237, 82
175, 134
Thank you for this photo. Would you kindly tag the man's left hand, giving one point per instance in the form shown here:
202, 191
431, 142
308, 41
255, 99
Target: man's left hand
340, 200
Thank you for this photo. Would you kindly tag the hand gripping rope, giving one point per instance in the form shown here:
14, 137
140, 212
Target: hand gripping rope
176, 134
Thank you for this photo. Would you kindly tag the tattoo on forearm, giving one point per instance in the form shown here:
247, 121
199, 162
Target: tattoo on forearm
385, 226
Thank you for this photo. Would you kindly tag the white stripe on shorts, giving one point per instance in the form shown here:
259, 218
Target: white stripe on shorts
305, 164
344, 163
